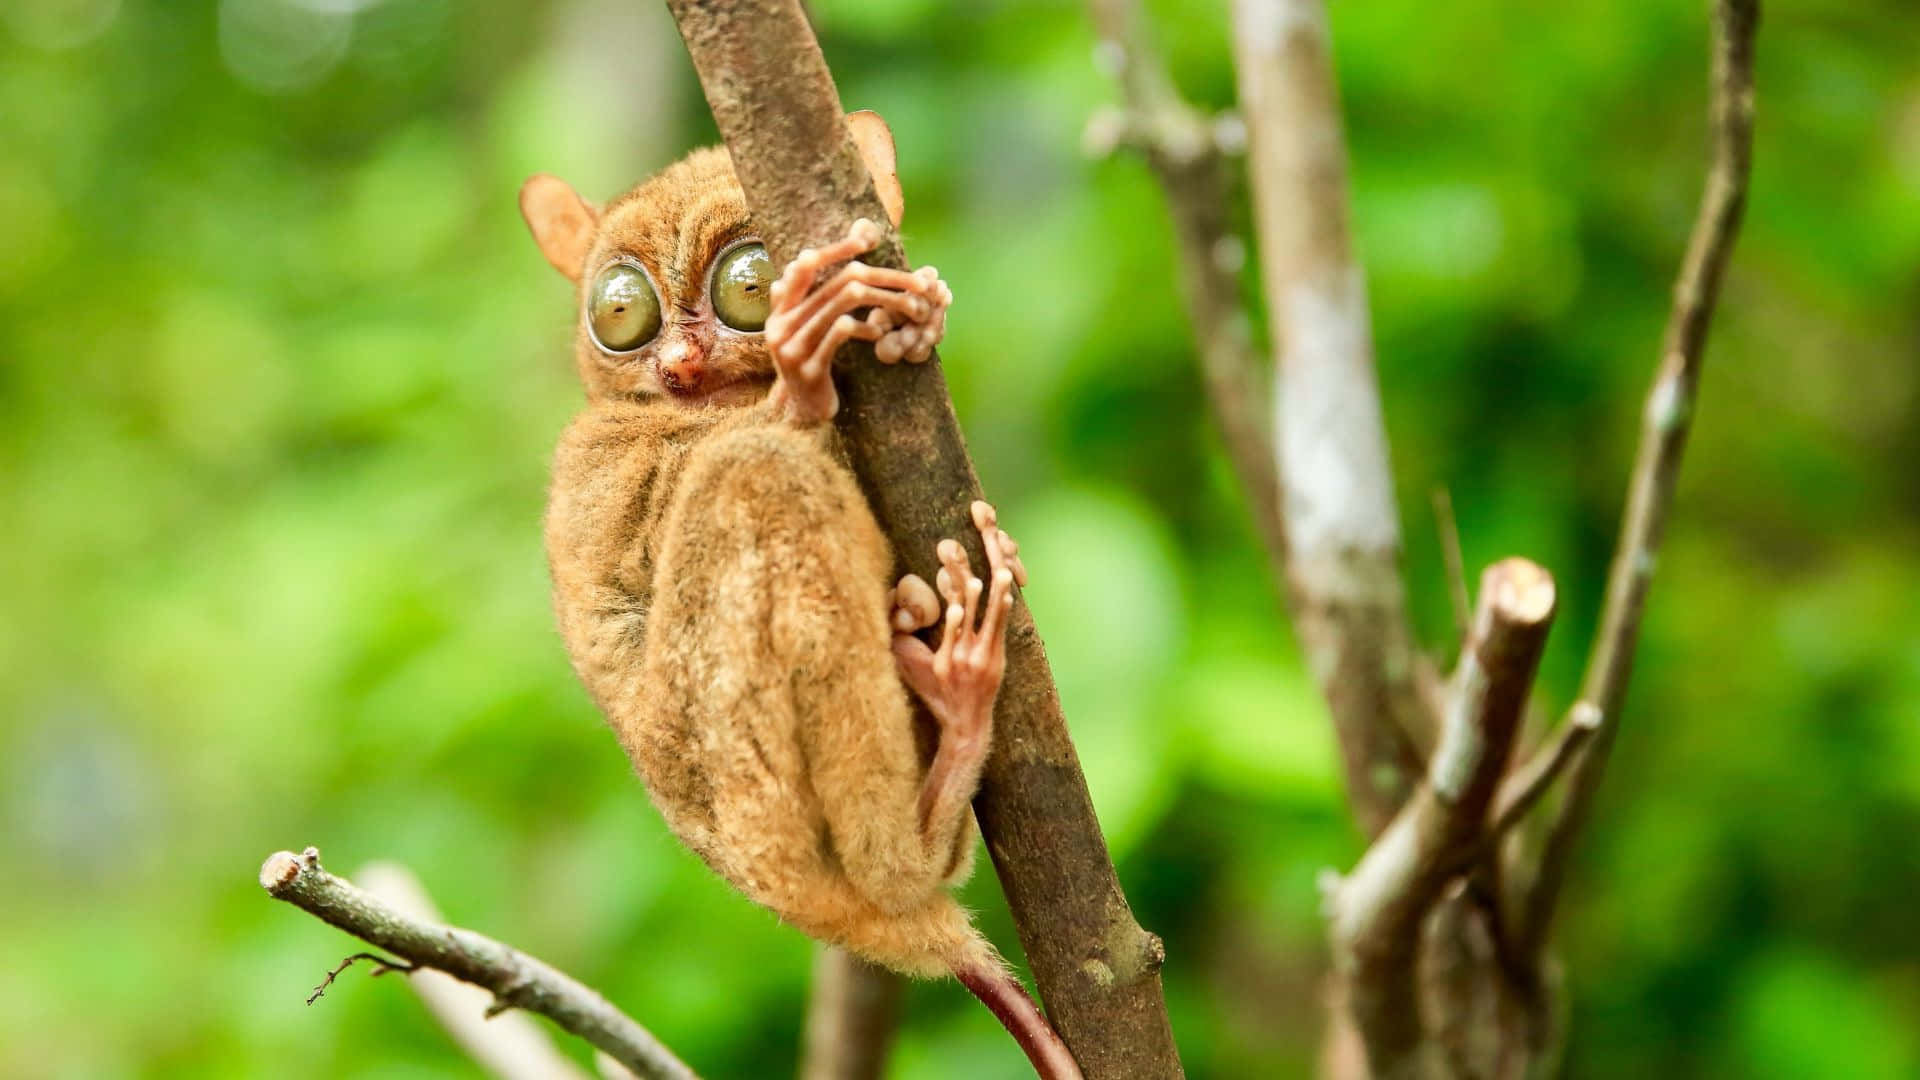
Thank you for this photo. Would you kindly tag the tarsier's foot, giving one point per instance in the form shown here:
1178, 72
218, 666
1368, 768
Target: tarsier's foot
960, 679
811, 318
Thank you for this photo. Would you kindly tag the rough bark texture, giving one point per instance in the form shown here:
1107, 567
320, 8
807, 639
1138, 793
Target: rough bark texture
1097, 971
517, 980
850, 1018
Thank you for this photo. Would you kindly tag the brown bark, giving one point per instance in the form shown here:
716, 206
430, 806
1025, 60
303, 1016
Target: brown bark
1097, 971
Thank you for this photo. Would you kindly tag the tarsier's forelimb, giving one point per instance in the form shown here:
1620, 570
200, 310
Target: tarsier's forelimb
811, 318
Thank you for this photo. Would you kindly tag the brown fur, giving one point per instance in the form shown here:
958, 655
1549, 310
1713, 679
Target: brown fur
723, 590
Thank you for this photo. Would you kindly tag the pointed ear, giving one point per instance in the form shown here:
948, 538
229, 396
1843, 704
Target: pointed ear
870, 134
561, 221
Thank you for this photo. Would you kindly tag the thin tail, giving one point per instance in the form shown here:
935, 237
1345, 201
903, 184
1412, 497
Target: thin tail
996, 987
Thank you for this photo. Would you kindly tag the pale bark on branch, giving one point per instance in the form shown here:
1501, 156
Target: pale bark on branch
1666, 421
1342, 528
1378, 911
1096, 970
516, 980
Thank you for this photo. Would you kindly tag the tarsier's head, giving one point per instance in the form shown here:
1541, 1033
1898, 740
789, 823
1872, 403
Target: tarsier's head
674, 283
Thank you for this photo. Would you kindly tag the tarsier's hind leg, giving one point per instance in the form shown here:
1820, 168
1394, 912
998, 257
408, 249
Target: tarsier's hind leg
770, 647
960, 679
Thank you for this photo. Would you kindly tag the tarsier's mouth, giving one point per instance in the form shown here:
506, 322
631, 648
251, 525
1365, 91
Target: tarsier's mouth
718, 389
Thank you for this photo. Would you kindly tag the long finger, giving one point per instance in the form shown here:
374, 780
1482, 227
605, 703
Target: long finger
949, 640
1010, 549
858, 295
965, 587
880, 277
844, 328
796, 282
914, 604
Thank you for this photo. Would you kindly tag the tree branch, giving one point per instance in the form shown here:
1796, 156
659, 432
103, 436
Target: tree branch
1377, 912
1343, 532
1663, 439
850, 1018
1525, 785
516, 979
1096, 969
1188, 155
510, 1046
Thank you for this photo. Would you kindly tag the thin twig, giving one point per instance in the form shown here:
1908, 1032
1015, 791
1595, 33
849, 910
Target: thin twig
382, 965
1668, 416
1524, 786
1188, 153
516, 979
511, 1047
1456, 564
1377, 912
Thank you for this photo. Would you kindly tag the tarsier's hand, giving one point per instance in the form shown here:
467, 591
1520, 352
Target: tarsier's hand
960, 679
811, 318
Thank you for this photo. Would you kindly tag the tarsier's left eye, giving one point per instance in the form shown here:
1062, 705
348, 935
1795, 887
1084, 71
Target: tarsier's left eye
622, 310
741, 286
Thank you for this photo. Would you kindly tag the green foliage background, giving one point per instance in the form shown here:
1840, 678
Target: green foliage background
279, 373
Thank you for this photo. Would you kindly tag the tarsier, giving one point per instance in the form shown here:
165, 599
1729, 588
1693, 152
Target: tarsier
723, 588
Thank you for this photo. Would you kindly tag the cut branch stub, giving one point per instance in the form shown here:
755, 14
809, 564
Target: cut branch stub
1096, 969
1377, 912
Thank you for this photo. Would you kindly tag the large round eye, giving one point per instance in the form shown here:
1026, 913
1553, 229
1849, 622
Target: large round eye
622, 309
741, 287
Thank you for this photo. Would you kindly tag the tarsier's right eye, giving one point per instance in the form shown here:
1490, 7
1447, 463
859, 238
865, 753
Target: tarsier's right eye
622, 310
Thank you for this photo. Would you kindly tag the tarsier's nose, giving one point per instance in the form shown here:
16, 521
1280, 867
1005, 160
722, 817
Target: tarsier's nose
682, 366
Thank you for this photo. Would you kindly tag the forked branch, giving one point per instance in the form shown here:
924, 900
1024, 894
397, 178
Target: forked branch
1377, 912
516, 980
1665, 424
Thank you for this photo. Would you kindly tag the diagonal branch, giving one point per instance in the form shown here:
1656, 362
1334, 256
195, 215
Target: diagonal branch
1188, 155
1525, 786
1342, 530
517, 980
1377, 912
1096, 969
511, 1046
1669, 414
